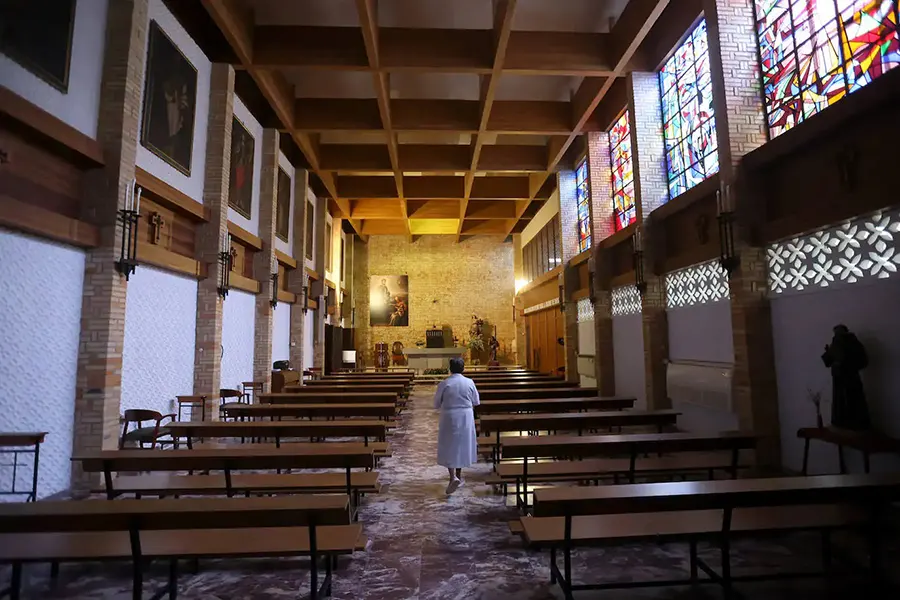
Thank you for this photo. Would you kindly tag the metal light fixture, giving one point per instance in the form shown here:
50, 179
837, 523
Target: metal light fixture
728, 258
226, 260
304, 294
274, 278
637, 255
129, 217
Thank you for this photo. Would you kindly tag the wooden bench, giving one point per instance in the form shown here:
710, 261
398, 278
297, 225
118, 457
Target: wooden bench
318, 396
526, 384
715, 510
606, 446
532, 393
380, 410
554, 405
866, 442
189, 528
321, 386
576, 421
279, 430
379, 449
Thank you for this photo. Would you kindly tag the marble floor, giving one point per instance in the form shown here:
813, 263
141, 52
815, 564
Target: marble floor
427, 546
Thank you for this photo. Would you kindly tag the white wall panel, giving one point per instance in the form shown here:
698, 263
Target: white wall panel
238, 323
281, 332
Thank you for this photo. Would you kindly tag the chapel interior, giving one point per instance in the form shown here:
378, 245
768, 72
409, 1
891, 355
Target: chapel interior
242, 240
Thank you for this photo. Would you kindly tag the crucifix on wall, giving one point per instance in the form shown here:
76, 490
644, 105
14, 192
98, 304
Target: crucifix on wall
156, 225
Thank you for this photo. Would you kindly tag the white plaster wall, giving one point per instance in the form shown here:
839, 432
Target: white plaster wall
628, 358
288, 246
701, 332
80, 106
238, 323
40, 317
255, 130
308, 339
281, 332
801, 326
311, 198
191, 185
160, 328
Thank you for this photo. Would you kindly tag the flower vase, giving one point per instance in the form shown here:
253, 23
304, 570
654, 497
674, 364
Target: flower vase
819, 422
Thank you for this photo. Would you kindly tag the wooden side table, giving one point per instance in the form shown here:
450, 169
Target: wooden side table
23, 443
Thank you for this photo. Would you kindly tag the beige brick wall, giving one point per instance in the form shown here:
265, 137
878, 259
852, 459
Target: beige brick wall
568, 215
297, 277
262, 261
600, 182
448, 282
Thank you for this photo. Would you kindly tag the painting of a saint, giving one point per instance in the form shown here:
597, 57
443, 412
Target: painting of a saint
389, 301
170, 96
37, 34
283, 206
240, 190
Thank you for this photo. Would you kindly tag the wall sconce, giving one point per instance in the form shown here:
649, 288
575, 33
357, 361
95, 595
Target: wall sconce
728, 258
226, 260
637, 254
304, 294
274, 278
129, 217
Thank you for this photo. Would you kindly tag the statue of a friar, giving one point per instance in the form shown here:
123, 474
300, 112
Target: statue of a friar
846, 357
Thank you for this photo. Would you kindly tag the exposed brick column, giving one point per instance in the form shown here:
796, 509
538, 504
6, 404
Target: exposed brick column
208, 353
600, 183
519, 274
569, 281
568, 215
297, 277
740, 128
319, 286
651, 192
98, 390
262, 260
604, 354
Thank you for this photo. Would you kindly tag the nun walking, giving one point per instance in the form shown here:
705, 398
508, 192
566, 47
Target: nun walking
456, 398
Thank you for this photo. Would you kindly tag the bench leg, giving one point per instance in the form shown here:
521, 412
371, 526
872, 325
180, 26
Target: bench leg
15, 584
553, 564
54, 574
693, 559
173, 579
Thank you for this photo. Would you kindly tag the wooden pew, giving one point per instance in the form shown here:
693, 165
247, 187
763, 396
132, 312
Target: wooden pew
404, 375
381, 410
555, 405
575, 421
526, 384
866, 442
706, 510
189, 528
532, 393
606, 446
347, 389
279, 430
316, 396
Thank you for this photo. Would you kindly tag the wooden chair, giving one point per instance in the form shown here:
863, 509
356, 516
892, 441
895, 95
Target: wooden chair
192, 403
141, 435
252, 389
225, 394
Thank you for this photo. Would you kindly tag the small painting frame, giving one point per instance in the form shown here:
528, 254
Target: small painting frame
21, 27
283, 206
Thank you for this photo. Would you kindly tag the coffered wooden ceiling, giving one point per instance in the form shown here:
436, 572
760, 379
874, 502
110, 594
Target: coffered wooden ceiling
442, 116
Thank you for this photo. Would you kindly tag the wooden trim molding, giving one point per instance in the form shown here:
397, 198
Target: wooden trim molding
314, 275
580, 258
151, 254
580, 294
622, 279
87, 151
286, 297
618, 237
246, 284
548, 276
695, 194
287, 261
244, 237
168, 196
330, 284
312, 304
38, 221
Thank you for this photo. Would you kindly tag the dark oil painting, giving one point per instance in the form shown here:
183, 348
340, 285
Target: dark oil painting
37, 34
389, 301
310, 217
170, 97
240, 191
283, 206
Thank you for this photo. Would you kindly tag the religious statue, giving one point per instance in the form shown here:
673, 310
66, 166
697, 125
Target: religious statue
846, 357
495, 346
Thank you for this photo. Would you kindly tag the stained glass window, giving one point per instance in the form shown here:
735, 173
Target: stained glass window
622, 173
583, 198
815, 52
687, 113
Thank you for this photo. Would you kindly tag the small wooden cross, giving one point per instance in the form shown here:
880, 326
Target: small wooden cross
233, 261
156, 225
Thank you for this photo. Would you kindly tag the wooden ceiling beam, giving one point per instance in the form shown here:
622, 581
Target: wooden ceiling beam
558, 53
501, 30
436, 50
435, 115
295, 46
354, 157
507, 187
490, 209
434, 157
366, 187
432, 209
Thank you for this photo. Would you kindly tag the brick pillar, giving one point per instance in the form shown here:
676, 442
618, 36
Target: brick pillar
297, 277
568, 215
651, 192
208, 353
740, 128
98, 390
568, 279
600, 183
604, 354
518, 306
262, 261
319, 287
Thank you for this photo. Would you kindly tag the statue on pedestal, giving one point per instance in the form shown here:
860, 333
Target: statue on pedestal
495, 346
846, 357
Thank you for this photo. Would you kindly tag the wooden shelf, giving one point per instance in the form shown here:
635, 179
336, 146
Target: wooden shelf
312, 274
287, 261
168, 196
246, 284
158, 256
48, 224
244, 237
287, 297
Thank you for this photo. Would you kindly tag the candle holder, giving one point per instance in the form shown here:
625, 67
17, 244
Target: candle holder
728, 258
226, 261
304, 294
274, 278
129, 217
637, 256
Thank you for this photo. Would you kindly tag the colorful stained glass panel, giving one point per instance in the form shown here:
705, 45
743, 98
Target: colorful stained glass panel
622, 172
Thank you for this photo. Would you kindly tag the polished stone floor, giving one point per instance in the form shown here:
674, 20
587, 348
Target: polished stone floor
427, 546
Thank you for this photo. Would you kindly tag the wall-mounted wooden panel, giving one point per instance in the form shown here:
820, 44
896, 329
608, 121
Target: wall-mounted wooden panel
177, 233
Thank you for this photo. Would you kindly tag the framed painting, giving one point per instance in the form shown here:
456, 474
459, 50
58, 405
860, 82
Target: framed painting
170, 98
329, 242
37, 34
310, 221
240, 189
389, 301
283, 206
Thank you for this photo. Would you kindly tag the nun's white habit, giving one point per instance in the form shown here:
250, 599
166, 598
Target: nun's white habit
457, 443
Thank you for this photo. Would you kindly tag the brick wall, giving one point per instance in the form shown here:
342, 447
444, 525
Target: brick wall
98, 384
600, 182
448, 282
262, 261
604, 355
648, 149
297, 277
568, 215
